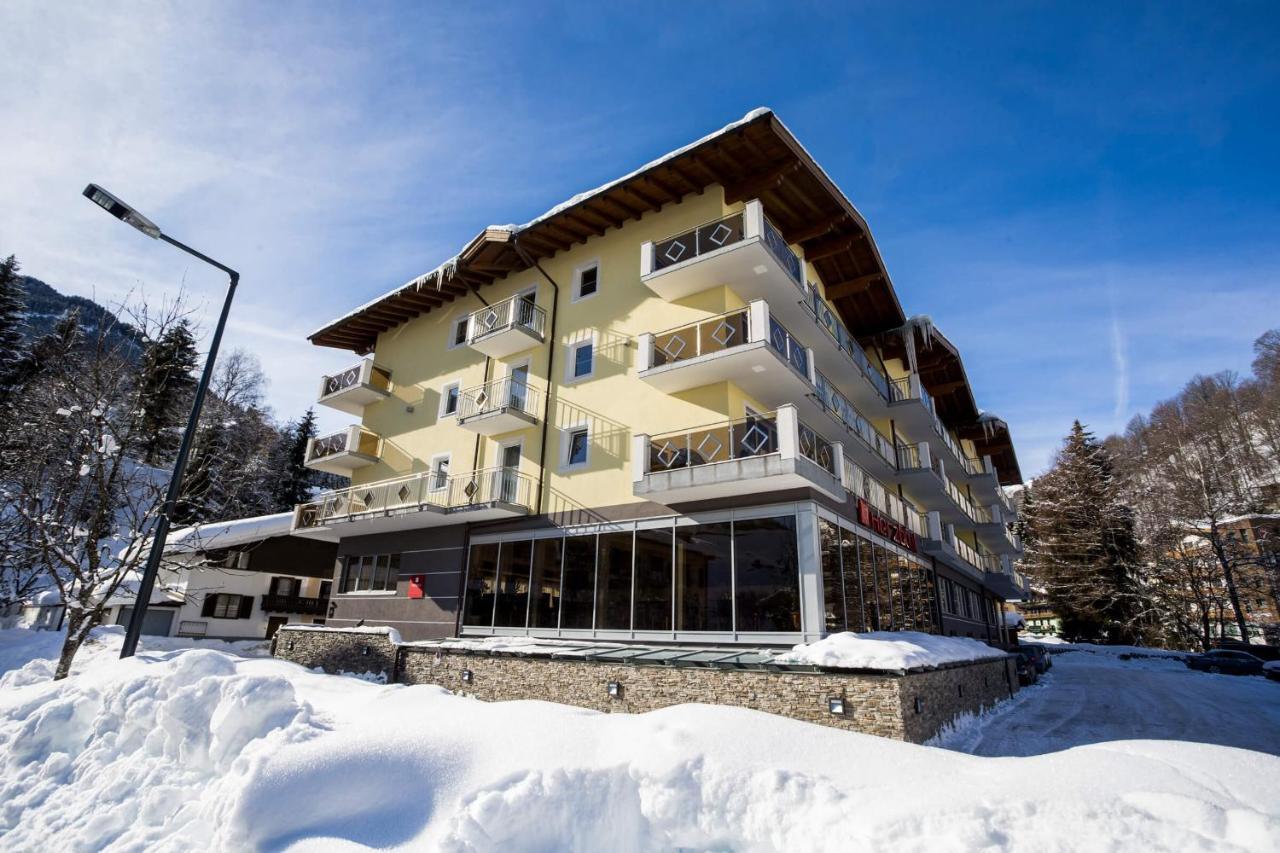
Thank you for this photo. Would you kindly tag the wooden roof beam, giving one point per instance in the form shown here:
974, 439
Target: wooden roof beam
841, 289
753, 186
818, 229
592, 227
832, 246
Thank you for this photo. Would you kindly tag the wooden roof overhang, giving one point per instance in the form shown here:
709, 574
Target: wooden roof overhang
990, 435
757, 158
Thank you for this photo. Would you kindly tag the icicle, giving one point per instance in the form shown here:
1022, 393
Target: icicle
909, 345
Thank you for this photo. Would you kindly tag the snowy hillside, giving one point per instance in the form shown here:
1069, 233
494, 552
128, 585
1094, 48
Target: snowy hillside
237, 753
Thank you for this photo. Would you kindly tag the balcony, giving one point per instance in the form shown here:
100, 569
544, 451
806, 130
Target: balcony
941, 541
748, 347
913, 411
994, 533
352, 389
507, 327
294, 604
415, 501
768, 452
866, 488
500, 406
343, 452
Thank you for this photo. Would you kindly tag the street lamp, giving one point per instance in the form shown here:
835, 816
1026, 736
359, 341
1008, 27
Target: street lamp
125, 213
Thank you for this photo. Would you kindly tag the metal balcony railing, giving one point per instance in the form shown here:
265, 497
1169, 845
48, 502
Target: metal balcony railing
840, 408
721, 442
705, 238
517, 312
715, 334
827, 321
420, 491
786, 345
357, 374
511, 393
777, 245
862, 485
348, 440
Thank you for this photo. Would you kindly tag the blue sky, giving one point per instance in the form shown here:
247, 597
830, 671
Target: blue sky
1086, 199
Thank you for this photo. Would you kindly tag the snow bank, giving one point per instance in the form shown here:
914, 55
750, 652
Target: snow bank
201, 750
888, 650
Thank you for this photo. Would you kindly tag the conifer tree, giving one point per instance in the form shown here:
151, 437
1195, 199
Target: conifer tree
12, 325
167, 386
294, 480
1081, 543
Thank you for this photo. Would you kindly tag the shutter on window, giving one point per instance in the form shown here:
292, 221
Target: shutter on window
210, 602
246, 606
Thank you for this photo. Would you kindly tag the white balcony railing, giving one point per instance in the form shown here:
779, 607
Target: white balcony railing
500, 405
352, 389
506, 327
343, 451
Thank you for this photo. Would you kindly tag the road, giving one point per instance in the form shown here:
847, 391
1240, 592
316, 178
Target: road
1092, 698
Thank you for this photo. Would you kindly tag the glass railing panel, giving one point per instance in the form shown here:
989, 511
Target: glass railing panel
817, 449
698, 241
777, 245
788, 347
714, 334
752, 436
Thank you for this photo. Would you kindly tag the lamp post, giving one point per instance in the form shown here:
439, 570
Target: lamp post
125, 213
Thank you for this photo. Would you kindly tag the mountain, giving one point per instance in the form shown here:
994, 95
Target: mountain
45, 306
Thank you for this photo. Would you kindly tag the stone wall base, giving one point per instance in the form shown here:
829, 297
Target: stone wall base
912, 707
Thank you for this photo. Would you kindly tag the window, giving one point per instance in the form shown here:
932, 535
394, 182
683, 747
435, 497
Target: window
482, 582
544, 609
613, 581
578, 597
704, 577
459, 332
371, 573
582, 360
577, 443
653, 580
223, 606
587, 283
767, 583
449, 399
439, 472
512, 603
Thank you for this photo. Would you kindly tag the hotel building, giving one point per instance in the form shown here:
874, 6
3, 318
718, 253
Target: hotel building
686, 407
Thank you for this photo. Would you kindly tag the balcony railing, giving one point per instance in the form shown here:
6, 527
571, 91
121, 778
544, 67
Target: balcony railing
715, 334
862, 485
786, 345
364, 373
839, 407
518, 312
417, 492
705, 238
294, 604
782, 252
827, 321
350, 440
722, 442
508, 394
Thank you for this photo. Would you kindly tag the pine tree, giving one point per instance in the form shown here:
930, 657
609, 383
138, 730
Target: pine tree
1081, 543
293, 479
12, 326
167, 387
204, 492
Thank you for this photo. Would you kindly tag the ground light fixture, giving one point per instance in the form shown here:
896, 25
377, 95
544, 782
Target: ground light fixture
835, 705
615, 689
117, 208
467, 676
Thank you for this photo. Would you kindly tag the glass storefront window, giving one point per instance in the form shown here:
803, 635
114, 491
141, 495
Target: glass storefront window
767, 574
513, 584
833, 583
884, 588
854, 595
482, 574
870, 595
653, 579
613, 582
578, 597
544, 608
704, 569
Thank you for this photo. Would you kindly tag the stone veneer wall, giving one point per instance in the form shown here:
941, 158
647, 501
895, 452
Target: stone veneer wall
879, 704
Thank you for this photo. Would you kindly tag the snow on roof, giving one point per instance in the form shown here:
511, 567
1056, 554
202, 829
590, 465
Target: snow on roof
226, 534
450, 265
888, 650
1013, 619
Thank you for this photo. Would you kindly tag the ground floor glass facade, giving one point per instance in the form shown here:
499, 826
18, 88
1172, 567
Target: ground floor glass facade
871, 585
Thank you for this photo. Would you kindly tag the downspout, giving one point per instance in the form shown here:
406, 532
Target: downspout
551, 358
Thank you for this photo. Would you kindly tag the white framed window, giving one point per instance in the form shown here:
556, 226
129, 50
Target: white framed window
458, 334
586, 281
582, 361
575, 447
439, 476
371, 573
449, 396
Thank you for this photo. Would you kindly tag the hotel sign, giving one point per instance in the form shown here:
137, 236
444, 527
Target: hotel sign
896, 533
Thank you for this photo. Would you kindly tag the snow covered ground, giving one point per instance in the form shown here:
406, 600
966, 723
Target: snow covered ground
205, 749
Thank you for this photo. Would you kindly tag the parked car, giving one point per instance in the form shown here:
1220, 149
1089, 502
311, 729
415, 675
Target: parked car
1026, 666
1228, 662
1258, 650
1043, 660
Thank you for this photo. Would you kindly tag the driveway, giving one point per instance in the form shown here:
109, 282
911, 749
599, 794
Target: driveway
1093, 697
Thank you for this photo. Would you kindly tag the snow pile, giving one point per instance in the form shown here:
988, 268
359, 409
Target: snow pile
888, 650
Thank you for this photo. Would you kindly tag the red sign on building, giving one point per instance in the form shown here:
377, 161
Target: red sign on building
899, 534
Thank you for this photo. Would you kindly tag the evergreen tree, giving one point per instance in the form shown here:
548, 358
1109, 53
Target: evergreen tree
1081, 542
12, 324
204, 492
293, 480
167, 386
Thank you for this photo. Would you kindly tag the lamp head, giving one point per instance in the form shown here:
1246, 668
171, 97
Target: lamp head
121, 211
